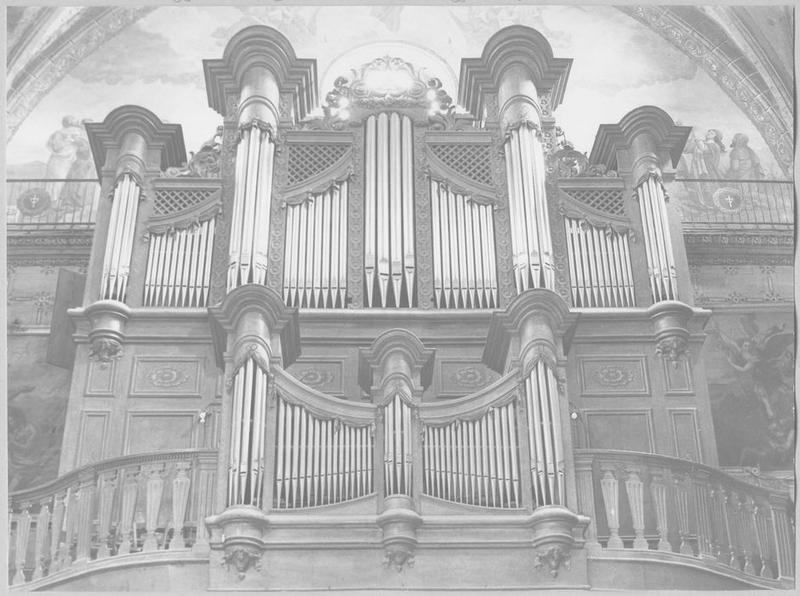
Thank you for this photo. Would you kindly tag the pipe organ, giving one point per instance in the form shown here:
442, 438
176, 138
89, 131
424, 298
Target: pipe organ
117, 258
599, 265
397, 448
658, 243
463, 250
527, 197
389, 253
249, 230
315, 264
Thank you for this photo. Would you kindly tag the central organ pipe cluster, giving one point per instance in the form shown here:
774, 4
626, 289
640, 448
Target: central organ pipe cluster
119, 247
251, 206
530, 227
657, 241
464, 266
389, 256
397, 447
315, 265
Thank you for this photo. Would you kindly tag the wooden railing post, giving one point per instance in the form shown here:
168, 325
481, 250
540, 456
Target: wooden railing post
180, 499
127, 526
154, 487
84, 517
701, 506
40, 551
610, 487
766, 541
21, 544
635, 489
106, 483
658, 492
55, 534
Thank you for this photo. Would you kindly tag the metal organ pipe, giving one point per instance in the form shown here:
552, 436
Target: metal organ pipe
463, 250
530, 230
599, 265
179, 266
389, 256
251, 207
658, 243
315, 267
119, 246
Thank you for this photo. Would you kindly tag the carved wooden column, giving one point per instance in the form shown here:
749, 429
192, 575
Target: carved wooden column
644, 147
395, 370
517, 65
258, 70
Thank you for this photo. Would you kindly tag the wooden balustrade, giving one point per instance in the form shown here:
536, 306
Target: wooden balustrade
652, 502
128, 504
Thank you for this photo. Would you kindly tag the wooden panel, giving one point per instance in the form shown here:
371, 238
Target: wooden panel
100, 380
678, 377
92, 437
159, 431
630, 430
613, 376
462, 377
322, 374
685, 434
174, 376
69, 294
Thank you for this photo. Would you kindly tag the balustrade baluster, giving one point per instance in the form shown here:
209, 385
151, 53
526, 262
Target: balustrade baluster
724, 542
154, 487
701, 501
634, 487
658, 491
610, 488
204, 490
681, 487
766, 540
40, 550
106, 485
86, 491
180, 499
127, 526
55, 534
747, 534
21, 544
783, 540
585, 489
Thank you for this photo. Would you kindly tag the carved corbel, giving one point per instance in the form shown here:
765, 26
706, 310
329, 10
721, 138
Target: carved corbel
238, 532
552, 558
106, 335
104, 350
242, 558
399, 522
670, 324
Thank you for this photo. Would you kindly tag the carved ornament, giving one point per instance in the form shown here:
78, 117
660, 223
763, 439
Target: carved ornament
205, 163
613, 376
672, 348
552, 559
242, 558
104, 350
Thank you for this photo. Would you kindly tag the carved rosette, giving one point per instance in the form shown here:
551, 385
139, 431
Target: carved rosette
422, 203
355, 250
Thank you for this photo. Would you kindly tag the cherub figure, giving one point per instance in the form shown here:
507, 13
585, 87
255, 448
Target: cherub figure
761, 359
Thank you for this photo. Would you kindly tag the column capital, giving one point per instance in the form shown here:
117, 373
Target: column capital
261, 47
535, 322
519, 46
399, 354
253, 318
650, 136
126, 136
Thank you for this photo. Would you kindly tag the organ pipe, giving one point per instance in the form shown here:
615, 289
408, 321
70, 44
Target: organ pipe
315, 267
463, 250
319, 461
389, 255
545, 441
251, 206
599, 265
530, 228
397, 447
474, 461
119, 246
658, 243
179, 266
247, 452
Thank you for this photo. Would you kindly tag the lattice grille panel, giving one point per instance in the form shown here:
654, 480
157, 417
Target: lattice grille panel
307, 160
471, 160
602, 199
173, 201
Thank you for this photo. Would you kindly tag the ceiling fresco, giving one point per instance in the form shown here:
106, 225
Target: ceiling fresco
618, 64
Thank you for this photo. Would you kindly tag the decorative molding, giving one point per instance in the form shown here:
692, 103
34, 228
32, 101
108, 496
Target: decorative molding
178, 426
355, 219
205, 163
645, 415
423, 235
100, 378
608, 376
166, 376
505, 276
552, 559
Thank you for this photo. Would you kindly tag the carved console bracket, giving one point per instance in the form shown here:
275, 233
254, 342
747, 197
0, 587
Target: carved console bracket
253, 321
399, 522
554, 528
238, 532
107, 319
536, 326
671, 328
396, 359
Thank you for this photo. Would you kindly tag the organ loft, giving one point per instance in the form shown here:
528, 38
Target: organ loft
396, 336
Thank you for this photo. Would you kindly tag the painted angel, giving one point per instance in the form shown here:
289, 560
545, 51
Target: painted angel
761, 358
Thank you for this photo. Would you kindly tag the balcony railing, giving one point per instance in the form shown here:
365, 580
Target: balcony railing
146, 502
44, 203
756, 203
644, 502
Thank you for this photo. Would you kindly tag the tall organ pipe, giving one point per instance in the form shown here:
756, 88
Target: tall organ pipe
117, 258
530, 230
658, 243
251, 206
389, 255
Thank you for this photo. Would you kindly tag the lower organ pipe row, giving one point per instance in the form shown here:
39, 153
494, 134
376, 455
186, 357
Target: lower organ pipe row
657, 241
397, 448
119, 245
474, 462
544, 436
248, 435
599, 265
315, 264
179, 266
464, 266
318, 461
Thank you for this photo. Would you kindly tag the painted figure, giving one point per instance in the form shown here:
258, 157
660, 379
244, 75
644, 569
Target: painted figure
745, 164
706, 154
